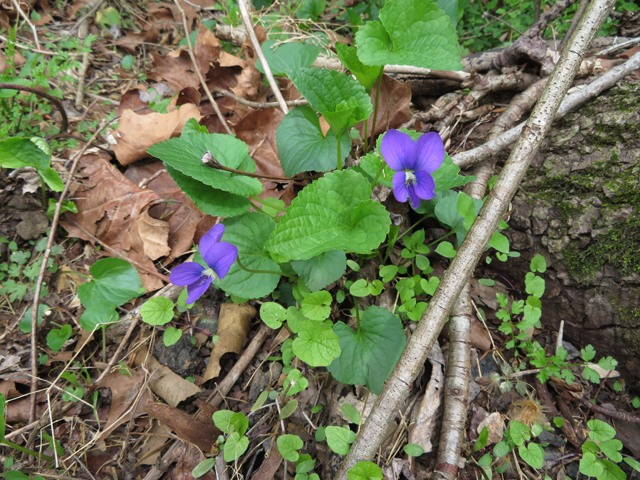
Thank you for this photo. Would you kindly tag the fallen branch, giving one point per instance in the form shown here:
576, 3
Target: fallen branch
259, 105
493, 147
246, 20
453, 281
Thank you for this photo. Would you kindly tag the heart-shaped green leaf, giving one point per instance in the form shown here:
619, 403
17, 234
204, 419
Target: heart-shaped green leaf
419, 32
290, 55
370, 354
302, 146
365, 74
322, 270
58, 336
114, 281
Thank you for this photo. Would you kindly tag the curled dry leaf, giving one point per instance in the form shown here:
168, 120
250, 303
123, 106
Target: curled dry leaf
393, 105
182, 216
132, 40
169, 386
136, 133
203, 435
233, 326
154, 234
176, 69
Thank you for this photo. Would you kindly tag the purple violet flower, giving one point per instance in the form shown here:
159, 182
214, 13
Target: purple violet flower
219, 256
414, 162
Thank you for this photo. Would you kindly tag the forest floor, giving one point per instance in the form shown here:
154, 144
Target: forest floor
118, 401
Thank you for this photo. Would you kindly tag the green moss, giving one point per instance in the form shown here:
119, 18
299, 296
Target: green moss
615, 183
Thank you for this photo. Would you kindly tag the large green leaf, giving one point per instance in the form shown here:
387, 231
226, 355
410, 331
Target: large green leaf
114, 281
19, 152
185, 155
450, 7
211, 201
99, 313
365, 74
333, 213
339, 98
320, 271
370, 354
302, 147
291, 55
410, 32
249, 233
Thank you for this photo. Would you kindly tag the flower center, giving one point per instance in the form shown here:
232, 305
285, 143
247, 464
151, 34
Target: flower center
210, 273
409, 178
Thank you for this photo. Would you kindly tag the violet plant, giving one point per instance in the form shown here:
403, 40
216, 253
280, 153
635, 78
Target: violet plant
304, 261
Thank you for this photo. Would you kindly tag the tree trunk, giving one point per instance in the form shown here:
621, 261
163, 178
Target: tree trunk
580, 208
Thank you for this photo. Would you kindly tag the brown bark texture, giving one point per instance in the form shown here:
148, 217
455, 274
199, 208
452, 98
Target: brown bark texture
579, 206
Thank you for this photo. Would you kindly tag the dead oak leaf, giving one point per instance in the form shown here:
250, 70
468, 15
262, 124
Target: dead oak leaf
136, 133
108, 203
154, 234
393, 106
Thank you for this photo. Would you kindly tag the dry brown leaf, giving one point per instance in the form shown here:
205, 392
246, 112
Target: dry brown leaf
269, 467
132, 40
233, 326
108, 203
169, 386
183, 217
127, 401
258, 130
152, 449
393, 106
8, 389
131, 101
201, 434
176, 69
18, 410
136, 133
154, 234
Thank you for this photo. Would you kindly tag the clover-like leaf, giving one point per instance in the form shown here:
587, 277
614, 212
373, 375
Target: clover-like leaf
100, 313
288, 446
333, 213
273, 314
340, 439
157, 311
410, 32
365, 471
339, 98
171, 336
114, 281
249, 233
370, 354
533, 454
57, 337
186, 152
302, 146
316, 344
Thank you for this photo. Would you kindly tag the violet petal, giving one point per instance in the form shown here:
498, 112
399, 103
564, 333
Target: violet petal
399, 188
196, 289
222, 257
413, 196
398, 150
425, 186
430, 151
186, 274
210, 240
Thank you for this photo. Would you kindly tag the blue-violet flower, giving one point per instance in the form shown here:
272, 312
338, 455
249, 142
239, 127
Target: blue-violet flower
414, 162
219, 256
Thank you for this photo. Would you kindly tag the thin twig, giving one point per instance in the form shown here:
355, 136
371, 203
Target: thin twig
246, 20
203, 83
40, 93
28, 22
83, 32
487, 14
259, 105
43, 266
627, 417
213, 163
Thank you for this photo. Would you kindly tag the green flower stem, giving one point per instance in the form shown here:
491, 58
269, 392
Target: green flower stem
438, 240
357, 309
366, 135
375, 180
375, 109
258, 209
270, 272
44, 192
262, 202
26, 450
339, 152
